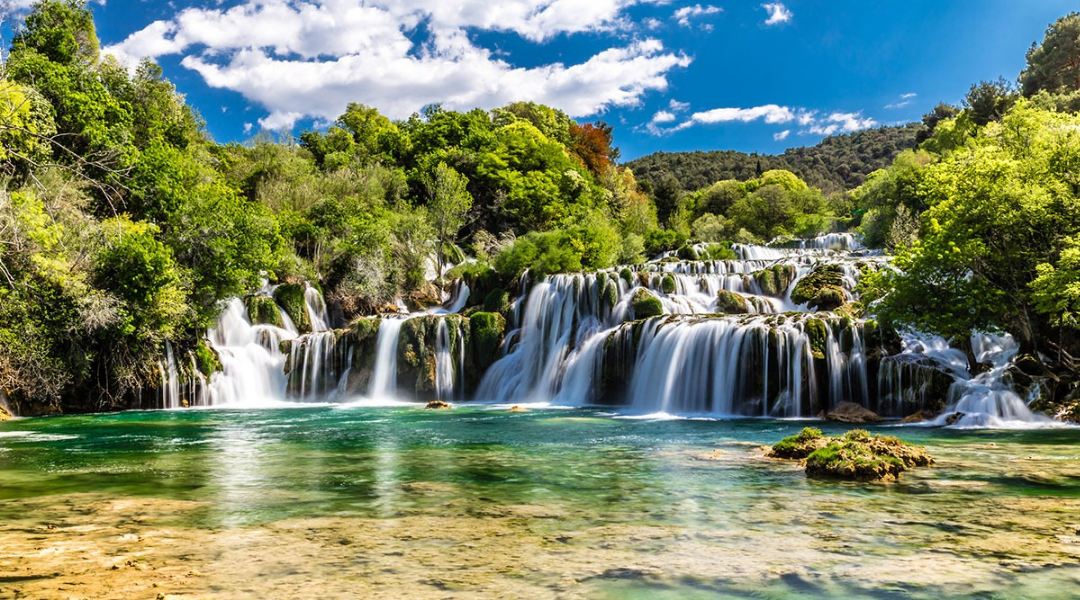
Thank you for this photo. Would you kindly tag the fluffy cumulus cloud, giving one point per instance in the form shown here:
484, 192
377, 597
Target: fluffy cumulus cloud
771, 114
686, 14
778, 13
841, 123
310, 58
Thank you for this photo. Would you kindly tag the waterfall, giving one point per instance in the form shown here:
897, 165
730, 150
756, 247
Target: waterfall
721, 367
312, 366
170, 379
985, 400
251, 358
316, 309
384, 380
444, 364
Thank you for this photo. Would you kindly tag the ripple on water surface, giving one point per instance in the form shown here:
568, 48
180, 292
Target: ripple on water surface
479, 501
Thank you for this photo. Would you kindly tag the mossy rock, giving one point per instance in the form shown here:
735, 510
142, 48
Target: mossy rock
487, 330
859, 456
688, 252
731, 303
262, 310
627, 275
206, 358
817, 331
438, 405
645, 305
610, 297
775, 280
497, 300
668, 284
290, 297
800, 445
822, 289
5, 415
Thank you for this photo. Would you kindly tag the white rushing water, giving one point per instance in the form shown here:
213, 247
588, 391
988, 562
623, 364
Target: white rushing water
573, 340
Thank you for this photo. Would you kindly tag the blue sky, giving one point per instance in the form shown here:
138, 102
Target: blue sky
668, 75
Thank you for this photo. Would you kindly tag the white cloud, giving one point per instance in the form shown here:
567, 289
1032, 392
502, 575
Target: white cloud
905, 99
677, 106
771, 113
248, 127
841, 123
310, 58
663, 117
685, 14
778, 13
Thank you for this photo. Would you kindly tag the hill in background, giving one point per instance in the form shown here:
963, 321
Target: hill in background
836, 164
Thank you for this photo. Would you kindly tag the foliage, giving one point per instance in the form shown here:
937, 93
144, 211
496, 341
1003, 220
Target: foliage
836, 164
1002, 208
1054, 65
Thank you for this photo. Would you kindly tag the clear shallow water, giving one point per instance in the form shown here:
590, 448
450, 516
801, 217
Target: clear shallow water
478, 502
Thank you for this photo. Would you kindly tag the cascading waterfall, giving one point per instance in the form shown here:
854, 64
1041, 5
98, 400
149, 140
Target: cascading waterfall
384, 381
985, 400
316, 309
574, 340
444, 364
170, 379
251, 358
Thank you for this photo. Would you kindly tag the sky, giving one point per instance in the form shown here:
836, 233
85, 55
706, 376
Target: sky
671, 76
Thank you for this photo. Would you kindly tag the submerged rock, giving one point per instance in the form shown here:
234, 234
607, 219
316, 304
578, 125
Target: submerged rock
516, 408
860, 456
919, 417
438, 405
851, 412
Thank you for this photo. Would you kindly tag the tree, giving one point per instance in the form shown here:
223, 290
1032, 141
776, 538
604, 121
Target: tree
1003, 214
989, 100
1054, 65
667, 194
448, 203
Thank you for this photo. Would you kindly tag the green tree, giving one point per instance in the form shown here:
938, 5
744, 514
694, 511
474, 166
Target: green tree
448, 203
1054, 65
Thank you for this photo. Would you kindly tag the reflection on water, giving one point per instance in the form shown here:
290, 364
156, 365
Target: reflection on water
402, 502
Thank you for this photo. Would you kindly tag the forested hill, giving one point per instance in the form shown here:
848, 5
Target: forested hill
838, 163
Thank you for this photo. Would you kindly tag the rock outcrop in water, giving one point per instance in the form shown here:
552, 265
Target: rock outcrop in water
857, 455
860, 456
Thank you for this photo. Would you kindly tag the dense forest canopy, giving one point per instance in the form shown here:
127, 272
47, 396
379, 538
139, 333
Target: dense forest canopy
836, 164
123, 226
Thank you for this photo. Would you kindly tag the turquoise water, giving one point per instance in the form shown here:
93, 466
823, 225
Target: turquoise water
592, 505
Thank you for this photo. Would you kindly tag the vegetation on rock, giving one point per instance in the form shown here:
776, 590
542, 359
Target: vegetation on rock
860, 456
644, 305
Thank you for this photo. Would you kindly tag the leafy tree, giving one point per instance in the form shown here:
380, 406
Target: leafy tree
989, 100
1001, 208
667, 193
448, 203
1054, 65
